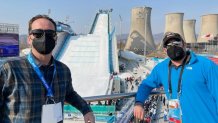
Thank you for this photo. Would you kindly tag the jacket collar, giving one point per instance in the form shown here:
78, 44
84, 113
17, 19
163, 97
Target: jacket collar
51, 62
193, 58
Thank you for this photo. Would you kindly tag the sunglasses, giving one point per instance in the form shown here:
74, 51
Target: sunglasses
39, 33
175, 43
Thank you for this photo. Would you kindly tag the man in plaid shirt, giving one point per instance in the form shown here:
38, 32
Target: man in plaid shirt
28, 83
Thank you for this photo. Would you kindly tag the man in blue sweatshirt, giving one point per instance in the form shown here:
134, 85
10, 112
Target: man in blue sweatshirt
190, 83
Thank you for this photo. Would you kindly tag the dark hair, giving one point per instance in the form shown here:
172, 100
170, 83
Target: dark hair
39, 17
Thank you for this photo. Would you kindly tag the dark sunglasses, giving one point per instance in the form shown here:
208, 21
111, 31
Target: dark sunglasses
39, 33
174, 43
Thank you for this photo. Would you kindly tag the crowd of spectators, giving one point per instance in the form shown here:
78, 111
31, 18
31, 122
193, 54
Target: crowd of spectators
150, 108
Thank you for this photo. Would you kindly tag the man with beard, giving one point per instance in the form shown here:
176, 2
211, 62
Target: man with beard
190, 82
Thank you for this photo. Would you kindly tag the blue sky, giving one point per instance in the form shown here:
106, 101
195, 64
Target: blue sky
81, 13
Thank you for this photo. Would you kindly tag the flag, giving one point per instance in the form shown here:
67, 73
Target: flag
173, 120
214, 59
207, 36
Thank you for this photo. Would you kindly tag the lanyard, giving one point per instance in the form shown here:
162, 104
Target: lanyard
180, 78
39, 73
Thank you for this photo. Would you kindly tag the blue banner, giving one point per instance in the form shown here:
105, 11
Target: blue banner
9, 44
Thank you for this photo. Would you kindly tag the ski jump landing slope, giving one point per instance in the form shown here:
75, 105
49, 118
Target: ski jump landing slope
91, 58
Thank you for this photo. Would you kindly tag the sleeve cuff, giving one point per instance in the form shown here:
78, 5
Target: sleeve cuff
139, 103
87, 110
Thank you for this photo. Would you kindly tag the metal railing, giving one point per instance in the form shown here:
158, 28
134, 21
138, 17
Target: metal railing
128, 108
116, 96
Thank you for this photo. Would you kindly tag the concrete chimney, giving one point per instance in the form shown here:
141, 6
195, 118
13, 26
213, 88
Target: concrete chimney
174, 23
189, 31
140, 21
209, 27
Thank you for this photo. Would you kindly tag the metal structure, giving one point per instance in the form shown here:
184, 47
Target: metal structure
83, 53
126, 112
174, 23
140, 37
189, 31
117, 96
9, 28
209, 27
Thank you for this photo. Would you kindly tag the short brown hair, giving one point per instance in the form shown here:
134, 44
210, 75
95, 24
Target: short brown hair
38, 17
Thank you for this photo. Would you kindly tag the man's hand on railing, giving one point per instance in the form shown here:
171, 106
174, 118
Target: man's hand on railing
139, 112
89, 118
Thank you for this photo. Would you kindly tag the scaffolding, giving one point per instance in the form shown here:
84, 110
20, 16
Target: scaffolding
9, 28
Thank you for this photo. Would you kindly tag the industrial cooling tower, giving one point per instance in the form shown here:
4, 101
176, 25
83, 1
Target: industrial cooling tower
174, 23
140, 21
209, 27
189, 31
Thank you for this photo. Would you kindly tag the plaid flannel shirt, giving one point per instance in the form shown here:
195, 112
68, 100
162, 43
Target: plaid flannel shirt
22, 93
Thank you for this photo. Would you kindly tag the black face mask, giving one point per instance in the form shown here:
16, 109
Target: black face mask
175, 53
45, 44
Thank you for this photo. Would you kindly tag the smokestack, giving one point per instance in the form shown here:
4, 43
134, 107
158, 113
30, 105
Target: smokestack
189, 31
174, 23
140, 21
209, 27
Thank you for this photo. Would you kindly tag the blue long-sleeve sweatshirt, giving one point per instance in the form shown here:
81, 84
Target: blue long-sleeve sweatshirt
199, 88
